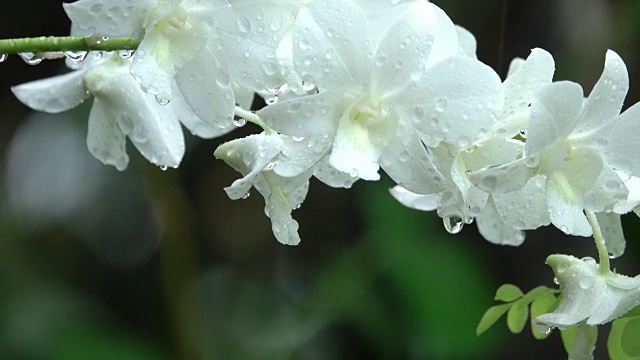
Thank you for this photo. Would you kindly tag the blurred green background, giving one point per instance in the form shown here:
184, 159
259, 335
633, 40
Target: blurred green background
146, 264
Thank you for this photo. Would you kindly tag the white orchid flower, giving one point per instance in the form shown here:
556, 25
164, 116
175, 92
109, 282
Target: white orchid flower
501, 218
119, 109
261, 159
524, 78
588, 294
369, 92
178, 42
579, 145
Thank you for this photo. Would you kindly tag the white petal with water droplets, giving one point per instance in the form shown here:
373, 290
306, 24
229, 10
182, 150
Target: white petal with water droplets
466, 42
524, 209
330, 45
583, 290
54, 94
105, 139
565, 210
555, 111
492, 227
314, 115
402, 54
415, 201
607, 191
154, 130
408, 162
455, 101
282, 195
251, 48
524, 79
331, 176
446, 38
116, 18
502, 178
605, 100
612, 232
618, 147
212, 100
160, 55
300, 155
249, 156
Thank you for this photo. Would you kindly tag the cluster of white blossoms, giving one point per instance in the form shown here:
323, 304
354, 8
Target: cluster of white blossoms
356, 86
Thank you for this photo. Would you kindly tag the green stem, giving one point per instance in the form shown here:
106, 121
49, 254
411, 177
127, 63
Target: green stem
66, 43
601, 245
253, 118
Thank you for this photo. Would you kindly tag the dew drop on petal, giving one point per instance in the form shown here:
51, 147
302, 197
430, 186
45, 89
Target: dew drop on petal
161, 101
244, 24
246, 195
441, 104
453, 224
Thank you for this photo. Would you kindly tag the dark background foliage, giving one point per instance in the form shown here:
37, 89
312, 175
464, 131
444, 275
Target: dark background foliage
147, 264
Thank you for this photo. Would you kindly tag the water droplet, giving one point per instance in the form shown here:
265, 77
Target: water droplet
532, 161
562, 267
602, 141
246, 195
612, 185
163, 167
244, 24
303, 44
161, 101
30, 58
381, 59
453, 224
488, 183
239, 122
464, 141
586, 281
76, 57
441, 104
271, 166
3, 57
404, 156
125, 54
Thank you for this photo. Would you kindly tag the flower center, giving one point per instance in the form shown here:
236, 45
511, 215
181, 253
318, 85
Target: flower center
175, 20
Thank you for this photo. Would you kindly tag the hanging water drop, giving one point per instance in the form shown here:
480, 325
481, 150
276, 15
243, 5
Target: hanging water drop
75, 57
246, 195
239, 122
3, 57
125, 54
453, 224
163, 167
30, 58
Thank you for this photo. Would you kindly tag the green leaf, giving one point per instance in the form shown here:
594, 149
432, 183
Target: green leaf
542, 305
633, 312
491, 316
517, 317
623, 340
568, 336
536, 293
508, 293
